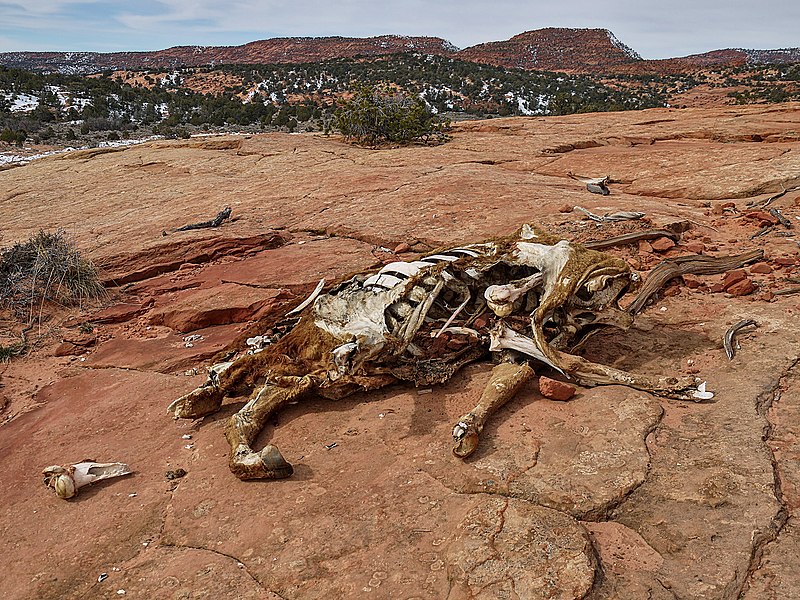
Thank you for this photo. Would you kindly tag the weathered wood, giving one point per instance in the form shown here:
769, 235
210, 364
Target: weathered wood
696, 264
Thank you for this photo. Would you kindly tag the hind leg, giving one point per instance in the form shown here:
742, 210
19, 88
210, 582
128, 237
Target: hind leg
506, 380
243, 428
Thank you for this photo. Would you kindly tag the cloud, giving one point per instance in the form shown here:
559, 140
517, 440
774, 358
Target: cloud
653, 29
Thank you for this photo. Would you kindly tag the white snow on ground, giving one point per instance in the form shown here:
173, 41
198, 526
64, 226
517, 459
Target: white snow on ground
22, 102
9, 158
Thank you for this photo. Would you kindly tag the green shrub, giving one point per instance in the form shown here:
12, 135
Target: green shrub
376, 115
46, 267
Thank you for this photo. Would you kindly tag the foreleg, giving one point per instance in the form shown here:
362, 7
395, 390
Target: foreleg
243, 428
506, 380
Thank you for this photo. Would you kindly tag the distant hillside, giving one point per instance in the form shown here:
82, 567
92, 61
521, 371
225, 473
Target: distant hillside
551, 49
271, 51
555, 49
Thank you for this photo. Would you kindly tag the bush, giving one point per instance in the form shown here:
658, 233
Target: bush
377, 115
46, 267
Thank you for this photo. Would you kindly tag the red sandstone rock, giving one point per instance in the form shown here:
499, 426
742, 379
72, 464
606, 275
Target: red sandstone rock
763, 217
732, 277
662, 244
761, 268
401, 248
785, 261
695, 247
645, 247
672, 290
556, 390
716, 288
565, 208
741, 288
68, 349
692, 282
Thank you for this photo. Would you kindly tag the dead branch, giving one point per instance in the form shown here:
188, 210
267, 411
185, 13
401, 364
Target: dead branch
696, 264
630, 238
215, 222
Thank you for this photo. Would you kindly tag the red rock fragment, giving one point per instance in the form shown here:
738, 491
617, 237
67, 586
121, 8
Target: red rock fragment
762, 268
716, 288
565, 208
672, 290
68, 349
481, 322
728, 205
785, 261
556, 390
767, 296
692, 282
662, 244
401, 248
645, 247
695, 247
732, 277
741, 288
763, 217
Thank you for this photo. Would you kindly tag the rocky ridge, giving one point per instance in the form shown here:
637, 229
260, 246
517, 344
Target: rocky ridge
611, 494
548, 49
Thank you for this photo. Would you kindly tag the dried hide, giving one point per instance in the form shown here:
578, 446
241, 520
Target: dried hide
525, 296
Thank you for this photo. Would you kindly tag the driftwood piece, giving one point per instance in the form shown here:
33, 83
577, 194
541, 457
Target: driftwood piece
727, 340
630, 238
779, 215
223, 215
696, 264
787, 291
610, 217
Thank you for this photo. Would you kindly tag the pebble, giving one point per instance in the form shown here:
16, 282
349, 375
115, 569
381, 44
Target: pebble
662, 244
741, 288
762, 268
556, 390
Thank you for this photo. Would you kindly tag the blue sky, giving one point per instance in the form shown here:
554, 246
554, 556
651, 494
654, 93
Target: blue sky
655, 30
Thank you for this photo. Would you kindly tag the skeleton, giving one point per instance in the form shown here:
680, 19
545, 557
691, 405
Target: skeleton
525, 296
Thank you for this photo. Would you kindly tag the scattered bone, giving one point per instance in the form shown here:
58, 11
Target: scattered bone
66, 481
727, 340
596, 185
308, 300
215, 222
611, 217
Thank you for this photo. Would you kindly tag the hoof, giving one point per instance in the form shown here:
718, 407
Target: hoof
466, 440
267, 464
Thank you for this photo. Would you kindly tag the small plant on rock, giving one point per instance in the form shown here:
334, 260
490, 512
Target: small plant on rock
380, 115
46, 267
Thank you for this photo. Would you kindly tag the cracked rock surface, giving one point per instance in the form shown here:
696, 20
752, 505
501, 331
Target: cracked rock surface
613, 494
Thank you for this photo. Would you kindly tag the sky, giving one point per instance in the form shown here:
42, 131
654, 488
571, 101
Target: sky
664, 29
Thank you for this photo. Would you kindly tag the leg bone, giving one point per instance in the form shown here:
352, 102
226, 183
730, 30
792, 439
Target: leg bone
505, 382
244, 427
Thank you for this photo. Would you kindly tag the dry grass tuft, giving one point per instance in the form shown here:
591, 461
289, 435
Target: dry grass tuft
47, 267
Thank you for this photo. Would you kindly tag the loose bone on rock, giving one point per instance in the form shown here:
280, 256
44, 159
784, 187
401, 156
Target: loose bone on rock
525, 296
